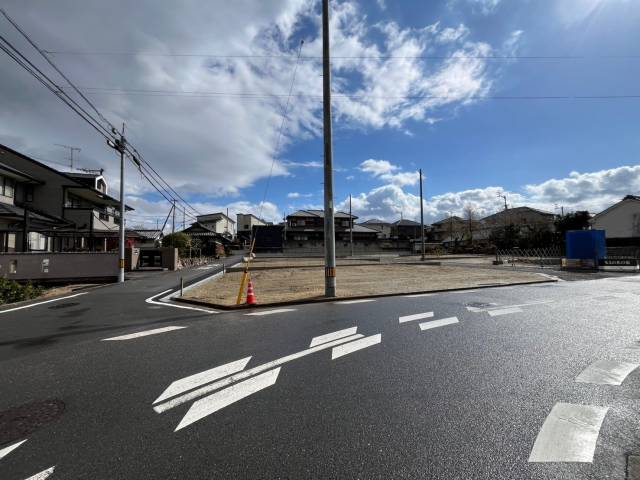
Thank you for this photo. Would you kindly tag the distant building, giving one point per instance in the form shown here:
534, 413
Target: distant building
218, 223
520, 216
246, 223
383, 228
621, 222
269, 238
448, 231
405, 230
141, 237
305, 228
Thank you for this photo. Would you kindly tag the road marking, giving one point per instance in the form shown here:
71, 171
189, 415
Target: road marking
145, 333
192, 381
417, 316
7, 450
551, 277
419, 295
333, 336
153, 301
438, 323
606, 372
42, 303
211, 404
569, 434
504, 311
163, 407
42, 475
351, 302
271, 312
495, 307
348, 348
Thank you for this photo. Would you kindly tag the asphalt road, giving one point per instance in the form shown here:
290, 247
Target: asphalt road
481, 384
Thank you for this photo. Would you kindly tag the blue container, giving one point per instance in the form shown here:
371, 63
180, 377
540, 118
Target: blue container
586, 245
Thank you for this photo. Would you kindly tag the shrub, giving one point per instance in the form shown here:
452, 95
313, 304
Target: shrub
12, 291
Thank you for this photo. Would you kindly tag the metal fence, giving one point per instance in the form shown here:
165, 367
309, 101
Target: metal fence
623, 253
534, 256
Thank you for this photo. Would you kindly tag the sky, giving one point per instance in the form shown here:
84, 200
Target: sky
536, 100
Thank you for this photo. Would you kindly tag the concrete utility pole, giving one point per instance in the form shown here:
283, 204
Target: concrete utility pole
120, 145
350, 226
173, 220
329, 225
421, 216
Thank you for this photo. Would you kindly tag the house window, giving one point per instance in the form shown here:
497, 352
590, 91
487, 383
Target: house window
8, 187
103, 216
73, 201
246, 227
37, 241
300, 238
28, 193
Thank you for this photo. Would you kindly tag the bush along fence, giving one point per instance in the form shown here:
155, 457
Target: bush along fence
12, 291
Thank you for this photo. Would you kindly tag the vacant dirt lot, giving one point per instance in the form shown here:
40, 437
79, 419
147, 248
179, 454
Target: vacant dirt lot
304, 282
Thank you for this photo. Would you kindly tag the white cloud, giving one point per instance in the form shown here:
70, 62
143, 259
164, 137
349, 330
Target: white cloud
382, 4
385, 170
450, 35
299, 195
592, 191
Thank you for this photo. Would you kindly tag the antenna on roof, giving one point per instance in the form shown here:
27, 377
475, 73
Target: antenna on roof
71, 150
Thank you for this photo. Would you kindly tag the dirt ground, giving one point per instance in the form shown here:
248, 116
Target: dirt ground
305, 282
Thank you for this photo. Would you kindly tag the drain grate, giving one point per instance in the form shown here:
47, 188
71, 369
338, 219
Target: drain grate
64, 305
18, 422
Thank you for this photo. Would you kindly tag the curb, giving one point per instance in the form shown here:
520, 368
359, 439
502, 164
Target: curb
313, 300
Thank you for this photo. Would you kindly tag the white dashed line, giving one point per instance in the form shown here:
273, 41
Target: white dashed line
351, 302
419, 295
7, 450
417, 316
569, 434
504, 311
606, 372
145, 333
42, 475
438, 323
333, 336
348, 348
270, 312
187, 383
42, 303
211, 404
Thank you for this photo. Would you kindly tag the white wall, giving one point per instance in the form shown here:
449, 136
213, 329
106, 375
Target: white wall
622, 221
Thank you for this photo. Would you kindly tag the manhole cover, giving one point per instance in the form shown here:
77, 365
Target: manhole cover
480, 305
18, 422
64, 305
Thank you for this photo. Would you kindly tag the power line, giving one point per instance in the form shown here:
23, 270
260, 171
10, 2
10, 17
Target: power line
347, 57
258, 95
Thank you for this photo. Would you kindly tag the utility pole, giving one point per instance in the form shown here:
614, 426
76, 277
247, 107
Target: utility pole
350, 226
184, 218
421, 216
71, 150
120, 145
329, 225
173, 220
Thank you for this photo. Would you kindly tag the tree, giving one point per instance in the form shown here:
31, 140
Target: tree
470, 216
178, 240
572, 221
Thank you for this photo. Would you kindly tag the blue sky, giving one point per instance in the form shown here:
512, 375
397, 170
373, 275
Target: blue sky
471, 143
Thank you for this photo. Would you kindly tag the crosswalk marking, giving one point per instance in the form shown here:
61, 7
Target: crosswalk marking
504, 311
270, 312
212, 403
606, 372
7, 450
169, 404
144, 333
569, 434
347, 348
417, 316
42, 475
438, 323
333, 336
351, 302
187, 383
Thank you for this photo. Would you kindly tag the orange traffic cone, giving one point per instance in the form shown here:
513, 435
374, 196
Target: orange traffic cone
251, 297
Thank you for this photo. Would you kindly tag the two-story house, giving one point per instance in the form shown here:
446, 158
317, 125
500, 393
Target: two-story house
80, 215
246, 223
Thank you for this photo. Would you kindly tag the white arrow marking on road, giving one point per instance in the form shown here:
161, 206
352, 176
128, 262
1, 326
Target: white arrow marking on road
438, 323
163, 407
606, 372
504, 311
7, 450
569, 434
348, 348
42, 303
211, 404
333, 336
153, 301
351, 302
271, 312
417, 316
42, 475
187, 383
145, 333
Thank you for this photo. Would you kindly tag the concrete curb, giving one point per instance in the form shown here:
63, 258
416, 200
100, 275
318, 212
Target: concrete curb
340, 299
